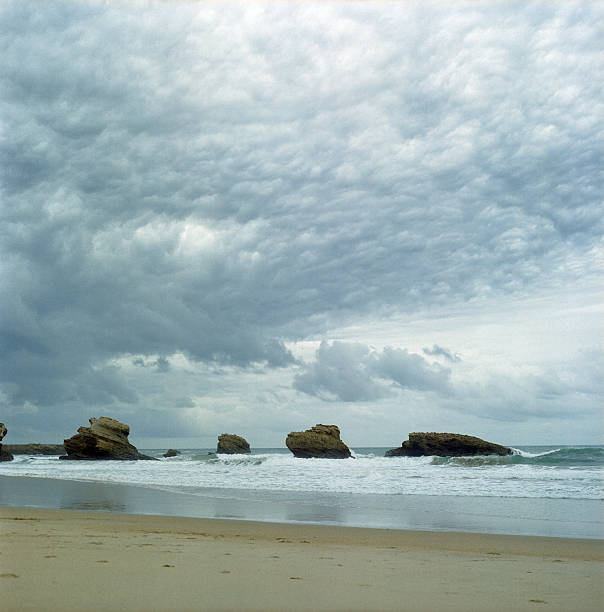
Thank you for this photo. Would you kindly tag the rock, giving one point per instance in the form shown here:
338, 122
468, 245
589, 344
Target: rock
35, 449
171, 452
230, 444
105, 439
318, 441
446, 445
5, 455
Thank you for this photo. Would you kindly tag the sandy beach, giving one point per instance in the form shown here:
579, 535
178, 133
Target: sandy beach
74, 560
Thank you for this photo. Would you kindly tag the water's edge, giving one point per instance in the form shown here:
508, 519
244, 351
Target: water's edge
548, 517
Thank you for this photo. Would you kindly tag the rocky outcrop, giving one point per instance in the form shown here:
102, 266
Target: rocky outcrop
171, 452
446, 445
318, 441
230, 444
35, 449
105, 439
5, 455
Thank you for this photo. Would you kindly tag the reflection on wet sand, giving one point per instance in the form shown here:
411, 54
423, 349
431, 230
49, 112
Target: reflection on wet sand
97, 496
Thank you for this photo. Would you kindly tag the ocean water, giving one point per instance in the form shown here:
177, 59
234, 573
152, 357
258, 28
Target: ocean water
537, 490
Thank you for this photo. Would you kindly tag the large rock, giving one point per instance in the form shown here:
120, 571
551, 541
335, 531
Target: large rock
318, 441
230, 444
171, 452
35, 449
422, 444
105, 439
4, 454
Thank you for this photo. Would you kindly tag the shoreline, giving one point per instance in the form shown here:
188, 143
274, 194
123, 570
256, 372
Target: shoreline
84, 560
566, 518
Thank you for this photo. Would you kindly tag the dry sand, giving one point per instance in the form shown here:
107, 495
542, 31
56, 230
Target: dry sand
67, 560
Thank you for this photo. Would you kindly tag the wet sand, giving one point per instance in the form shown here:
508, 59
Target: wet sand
567, 518
74, 560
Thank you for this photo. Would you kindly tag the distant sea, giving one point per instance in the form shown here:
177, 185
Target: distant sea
539, 490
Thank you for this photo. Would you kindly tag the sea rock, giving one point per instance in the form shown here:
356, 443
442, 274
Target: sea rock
171, 452
35, 449
318, 441
5, 455
230, 444
105, 439
446, 445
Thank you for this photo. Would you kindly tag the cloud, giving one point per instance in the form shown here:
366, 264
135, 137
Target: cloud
437, 351
572, 390
343, 371
178, 179
354, 372
411, 371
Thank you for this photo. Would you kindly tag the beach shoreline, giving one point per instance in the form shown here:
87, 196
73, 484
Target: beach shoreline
540, 517
83, 560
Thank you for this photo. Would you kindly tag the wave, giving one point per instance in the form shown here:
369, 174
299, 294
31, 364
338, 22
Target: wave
560, 457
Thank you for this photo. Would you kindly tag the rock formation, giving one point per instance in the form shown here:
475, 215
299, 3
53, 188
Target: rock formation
318, 441
35, 449
446, 445
105, 439
4, 454
171, 452
230, 444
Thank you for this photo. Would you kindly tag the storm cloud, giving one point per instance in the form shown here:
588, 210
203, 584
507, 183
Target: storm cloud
212, 184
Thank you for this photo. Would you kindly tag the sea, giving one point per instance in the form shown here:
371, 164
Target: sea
539, 490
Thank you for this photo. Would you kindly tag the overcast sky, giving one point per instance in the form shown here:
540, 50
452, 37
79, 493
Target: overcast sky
251, 218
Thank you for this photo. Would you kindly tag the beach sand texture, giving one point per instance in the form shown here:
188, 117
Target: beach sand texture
72, 560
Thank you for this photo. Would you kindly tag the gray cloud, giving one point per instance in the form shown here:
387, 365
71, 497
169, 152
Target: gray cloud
354, 372
439, 351
411, 371
221, 182
341, 371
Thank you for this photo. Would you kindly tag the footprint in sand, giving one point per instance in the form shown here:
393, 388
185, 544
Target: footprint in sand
9, 576
167, 565
102, 561
537, 601
296, 578
50, 556
225, 572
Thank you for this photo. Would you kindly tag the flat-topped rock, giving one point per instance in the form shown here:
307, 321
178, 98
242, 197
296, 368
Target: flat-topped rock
231, 444
318, 441
35, 449
106, 438
422, 444
171, 452
5, 455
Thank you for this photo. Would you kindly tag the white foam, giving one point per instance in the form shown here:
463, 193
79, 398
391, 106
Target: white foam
527, 455
366, 474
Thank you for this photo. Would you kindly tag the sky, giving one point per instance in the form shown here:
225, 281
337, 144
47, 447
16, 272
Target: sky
252, 217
